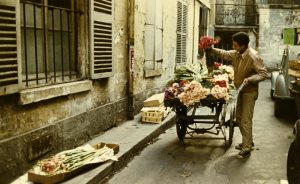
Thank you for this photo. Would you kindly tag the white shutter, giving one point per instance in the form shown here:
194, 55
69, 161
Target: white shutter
153, 34
158, 31
150, 34
10, 51
181, 32
101, 38
184, 31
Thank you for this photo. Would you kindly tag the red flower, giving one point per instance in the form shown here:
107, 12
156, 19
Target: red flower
221, 83
217, 65
206, 42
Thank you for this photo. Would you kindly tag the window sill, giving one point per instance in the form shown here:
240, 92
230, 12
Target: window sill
153, 73
29, 96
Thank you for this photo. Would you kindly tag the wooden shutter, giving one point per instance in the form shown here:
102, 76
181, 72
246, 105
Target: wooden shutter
181, 31
158, 31
101, 38
10, 51
153, 35
150, 34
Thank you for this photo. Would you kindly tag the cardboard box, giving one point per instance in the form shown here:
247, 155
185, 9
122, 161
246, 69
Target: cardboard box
155, 100
154, 114
50, 179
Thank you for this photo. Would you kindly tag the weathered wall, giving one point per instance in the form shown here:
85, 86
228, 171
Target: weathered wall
271, 24
68, 121
49, 126
145, 87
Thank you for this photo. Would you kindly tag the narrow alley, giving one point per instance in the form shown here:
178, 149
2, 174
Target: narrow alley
206, 161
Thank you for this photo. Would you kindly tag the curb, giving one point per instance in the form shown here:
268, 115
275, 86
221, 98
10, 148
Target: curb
147, 133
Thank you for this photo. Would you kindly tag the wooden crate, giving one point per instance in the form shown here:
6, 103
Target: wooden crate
154, 114
294, 65
51, 179
155, 100
294, 73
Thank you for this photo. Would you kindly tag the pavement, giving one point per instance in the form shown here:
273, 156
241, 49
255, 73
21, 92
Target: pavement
131, 136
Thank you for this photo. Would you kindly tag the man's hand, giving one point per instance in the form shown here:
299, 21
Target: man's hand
246, 81
208, 48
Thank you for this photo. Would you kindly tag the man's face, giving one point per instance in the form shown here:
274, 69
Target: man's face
238, 48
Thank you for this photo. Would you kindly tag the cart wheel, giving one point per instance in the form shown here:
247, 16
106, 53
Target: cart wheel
181, 130
231, 126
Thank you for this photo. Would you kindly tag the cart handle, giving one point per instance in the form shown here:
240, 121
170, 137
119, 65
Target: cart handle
236, 93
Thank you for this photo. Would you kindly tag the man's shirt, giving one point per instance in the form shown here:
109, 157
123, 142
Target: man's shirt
247, 65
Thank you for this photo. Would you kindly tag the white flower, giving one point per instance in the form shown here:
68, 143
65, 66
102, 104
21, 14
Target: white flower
193, 93
220, 92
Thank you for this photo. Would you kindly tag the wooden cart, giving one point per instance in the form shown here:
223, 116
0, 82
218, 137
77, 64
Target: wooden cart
188, 120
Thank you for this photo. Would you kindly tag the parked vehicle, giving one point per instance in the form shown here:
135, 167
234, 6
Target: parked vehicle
293, 159
281, 81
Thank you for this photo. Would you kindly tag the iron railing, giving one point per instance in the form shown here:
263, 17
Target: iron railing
236, 14
49, 44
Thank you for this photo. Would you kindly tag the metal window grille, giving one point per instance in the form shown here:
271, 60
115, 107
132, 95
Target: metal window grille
287, 2
49, 42
236, 12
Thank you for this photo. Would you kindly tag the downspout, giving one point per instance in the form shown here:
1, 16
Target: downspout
256, 38
193, 50
130, 47
254, 29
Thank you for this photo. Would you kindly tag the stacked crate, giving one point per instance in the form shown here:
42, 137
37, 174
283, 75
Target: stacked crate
294, 68
154, 110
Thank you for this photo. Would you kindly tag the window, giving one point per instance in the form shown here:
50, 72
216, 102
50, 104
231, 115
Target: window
288, 2
153, 38
9, 47
203, 17
49, 42
40, 40
181, 32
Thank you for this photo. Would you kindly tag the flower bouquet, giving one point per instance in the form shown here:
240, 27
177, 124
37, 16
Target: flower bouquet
205, 43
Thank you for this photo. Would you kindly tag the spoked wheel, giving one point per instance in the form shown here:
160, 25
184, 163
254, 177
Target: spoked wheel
181, 129
181, 125
230, 125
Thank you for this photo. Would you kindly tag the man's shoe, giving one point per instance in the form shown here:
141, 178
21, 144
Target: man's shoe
244, 154
239, 146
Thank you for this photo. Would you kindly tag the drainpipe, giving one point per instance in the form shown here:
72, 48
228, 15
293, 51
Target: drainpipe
193, 50
130, 78
256, 38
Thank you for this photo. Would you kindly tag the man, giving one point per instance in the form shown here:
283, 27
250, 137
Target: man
250, 70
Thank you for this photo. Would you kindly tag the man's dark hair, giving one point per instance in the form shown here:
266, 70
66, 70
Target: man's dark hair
241, 38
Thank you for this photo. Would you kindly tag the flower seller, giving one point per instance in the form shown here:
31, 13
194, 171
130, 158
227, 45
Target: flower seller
248, 70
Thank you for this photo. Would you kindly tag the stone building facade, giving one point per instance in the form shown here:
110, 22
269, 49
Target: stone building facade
72, 70
273, 20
